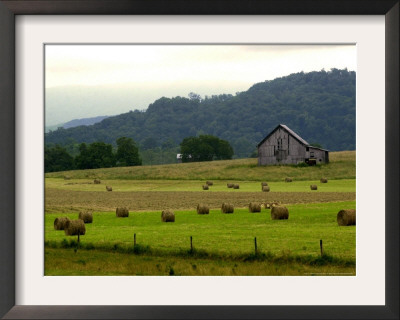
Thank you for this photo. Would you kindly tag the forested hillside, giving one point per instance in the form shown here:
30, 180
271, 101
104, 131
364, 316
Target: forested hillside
320, 106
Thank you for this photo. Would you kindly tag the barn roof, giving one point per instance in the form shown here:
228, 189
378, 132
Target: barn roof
292, 133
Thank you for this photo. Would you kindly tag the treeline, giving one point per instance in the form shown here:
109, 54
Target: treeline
92, 156
102, 155
319, 106
205, 148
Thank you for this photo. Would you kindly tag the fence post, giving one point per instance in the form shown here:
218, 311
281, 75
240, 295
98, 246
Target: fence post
255, 245
191, 244
322, 249
134, 240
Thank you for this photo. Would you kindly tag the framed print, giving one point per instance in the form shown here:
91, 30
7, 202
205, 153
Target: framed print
34, 31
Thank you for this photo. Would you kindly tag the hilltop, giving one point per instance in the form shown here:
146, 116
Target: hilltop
319, 106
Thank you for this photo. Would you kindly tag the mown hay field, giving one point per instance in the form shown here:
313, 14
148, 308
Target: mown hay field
342, 166
221, 234
57, 201
343, 185
285, 247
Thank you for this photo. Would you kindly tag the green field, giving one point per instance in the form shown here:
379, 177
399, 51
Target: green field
345, 185
223, 244
342, 166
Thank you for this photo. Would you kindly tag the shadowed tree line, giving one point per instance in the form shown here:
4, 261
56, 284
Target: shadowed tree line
101, 155
92, 156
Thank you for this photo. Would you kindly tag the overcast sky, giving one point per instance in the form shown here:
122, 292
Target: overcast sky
171, 70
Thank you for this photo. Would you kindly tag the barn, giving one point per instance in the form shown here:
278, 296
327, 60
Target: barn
284, 146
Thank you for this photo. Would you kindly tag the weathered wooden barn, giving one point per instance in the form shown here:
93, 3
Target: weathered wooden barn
284, 146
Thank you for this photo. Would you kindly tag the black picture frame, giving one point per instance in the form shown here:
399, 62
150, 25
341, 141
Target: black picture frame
8, 11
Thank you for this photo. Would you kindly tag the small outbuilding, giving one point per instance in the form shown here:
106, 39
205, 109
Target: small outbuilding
284, 146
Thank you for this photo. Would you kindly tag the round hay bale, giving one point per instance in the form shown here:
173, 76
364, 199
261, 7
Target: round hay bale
279, 213
203, 209
288, 180
86, 216
229, 185
235, 186
96, 181
267, 205
108, 188
59, 223
122, 212
227, 208
254, 207
323, 180
210, 183
205, 186
263, 184
167, 216
73, 227
313, 187
346, 217
67, 178
265, 189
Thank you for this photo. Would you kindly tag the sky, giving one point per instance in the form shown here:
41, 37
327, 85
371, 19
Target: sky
144, 73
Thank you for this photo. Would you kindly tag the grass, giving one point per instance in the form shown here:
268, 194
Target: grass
223, 243
221, 235
342, 166
68, 262
345, 185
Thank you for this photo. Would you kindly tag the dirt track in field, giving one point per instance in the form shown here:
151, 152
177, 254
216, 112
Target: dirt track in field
66, 201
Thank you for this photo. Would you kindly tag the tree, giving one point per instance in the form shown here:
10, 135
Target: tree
57, 159
127, 153
316, 144
194, 96
205, 148
149, 143
96, 155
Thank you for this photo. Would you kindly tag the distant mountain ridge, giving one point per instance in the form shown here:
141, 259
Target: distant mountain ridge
319, 106
76, 123
83, 122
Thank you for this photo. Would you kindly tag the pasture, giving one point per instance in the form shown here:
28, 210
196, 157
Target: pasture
223, 244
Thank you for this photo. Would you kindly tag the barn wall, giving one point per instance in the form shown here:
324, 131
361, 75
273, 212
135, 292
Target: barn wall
292, 151
318, 154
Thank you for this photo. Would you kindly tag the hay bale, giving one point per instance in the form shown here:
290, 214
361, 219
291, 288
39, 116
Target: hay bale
265, 189
263, 184
235, 186
167, 216
313, 187
60, 223
346, 217
73, 227
254, 207
288, 180
205, 186
279, 213
323, 180
227, 208
122, 212
203, 209
67, 178
229, 185
210, 183
86, 216
96, 181
108, 188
